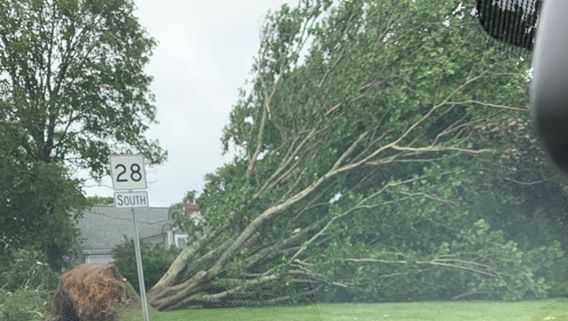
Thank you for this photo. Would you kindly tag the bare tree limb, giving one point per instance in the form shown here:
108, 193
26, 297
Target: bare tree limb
486, 104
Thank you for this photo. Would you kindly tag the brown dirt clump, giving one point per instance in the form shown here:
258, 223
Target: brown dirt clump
91, 292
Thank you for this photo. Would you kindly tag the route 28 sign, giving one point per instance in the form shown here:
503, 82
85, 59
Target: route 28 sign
128, 172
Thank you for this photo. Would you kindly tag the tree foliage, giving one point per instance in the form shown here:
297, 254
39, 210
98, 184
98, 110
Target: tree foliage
73, 90
73, 82
363, 142
155, 258
99, 200
39, 206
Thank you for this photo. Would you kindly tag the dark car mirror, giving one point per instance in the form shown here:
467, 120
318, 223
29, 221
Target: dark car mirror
549, 89
541, 28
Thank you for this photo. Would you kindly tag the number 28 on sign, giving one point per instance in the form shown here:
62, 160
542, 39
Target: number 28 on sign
128, 172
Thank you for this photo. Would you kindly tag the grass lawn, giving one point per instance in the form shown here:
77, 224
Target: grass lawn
546, 310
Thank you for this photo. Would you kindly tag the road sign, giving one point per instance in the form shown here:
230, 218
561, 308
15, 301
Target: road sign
127, 172
131, 199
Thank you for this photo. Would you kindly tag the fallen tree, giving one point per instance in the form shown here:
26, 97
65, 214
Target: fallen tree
352, 145
91, 292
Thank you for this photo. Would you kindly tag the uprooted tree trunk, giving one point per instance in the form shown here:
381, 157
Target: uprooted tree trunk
91, 292
327, 125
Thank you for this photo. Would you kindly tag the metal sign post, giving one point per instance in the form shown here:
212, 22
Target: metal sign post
141, 284
128, 173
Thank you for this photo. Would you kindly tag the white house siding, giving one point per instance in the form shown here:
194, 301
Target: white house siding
104, 227
98, 259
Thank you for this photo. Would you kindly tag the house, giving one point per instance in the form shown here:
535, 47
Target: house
104, 227
192, 211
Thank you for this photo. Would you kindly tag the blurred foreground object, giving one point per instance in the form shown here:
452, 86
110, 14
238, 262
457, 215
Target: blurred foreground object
539, 27
512, 22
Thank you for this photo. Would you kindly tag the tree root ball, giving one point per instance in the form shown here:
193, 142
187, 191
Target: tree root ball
91, 292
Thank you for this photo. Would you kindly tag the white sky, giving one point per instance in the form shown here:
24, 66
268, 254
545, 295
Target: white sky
204, 54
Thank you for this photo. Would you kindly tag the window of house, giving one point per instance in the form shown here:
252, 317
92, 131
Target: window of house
181, 240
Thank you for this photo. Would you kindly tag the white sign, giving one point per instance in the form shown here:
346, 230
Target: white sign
131, 199
127, 172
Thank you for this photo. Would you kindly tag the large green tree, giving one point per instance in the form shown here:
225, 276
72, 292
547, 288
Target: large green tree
39, 205
356, 144
73, 79
73, 88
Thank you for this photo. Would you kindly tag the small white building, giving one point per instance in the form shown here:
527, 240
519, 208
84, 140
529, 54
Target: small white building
104, 227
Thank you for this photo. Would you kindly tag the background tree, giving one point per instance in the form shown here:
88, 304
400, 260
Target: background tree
156, 259
39, 205
100, 200
72, 86
360, 151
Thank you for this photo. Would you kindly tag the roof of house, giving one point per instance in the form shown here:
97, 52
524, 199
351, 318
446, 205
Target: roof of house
104, 227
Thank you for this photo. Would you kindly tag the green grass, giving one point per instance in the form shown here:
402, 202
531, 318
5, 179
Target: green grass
546, 310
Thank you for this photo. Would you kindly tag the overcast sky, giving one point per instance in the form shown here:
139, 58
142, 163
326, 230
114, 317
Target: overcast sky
204, 54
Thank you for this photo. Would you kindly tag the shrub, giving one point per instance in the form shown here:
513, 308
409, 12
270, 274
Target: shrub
559, 275
156, 260
23, 305
26, 269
